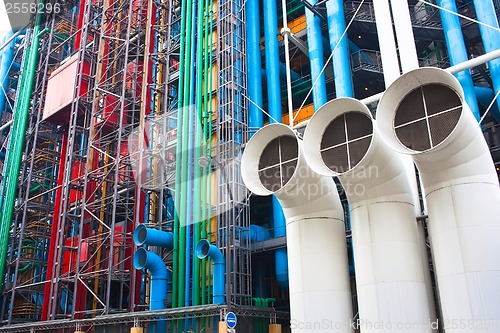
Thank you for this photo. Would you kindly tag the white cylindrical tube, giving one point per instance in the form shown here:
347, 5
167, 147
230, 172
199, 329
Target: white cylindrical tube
423, 113
391, 286
388, 51
320, 292
404, 34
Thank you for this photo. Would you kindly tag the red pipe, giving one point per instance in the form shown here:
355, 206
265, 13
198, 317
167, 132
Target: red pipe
81, 12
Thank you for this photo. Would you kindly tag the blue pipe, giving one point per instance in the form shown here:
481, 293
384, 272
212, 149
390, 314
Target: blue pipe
485, 96
293, 75
457, 51
7, 57
256, 233
149, 236
485, 13
274, 107
192, 118
144, 259
316, 58
272, 60
281, 257
254, 64
239, 49
205, 249
341, 63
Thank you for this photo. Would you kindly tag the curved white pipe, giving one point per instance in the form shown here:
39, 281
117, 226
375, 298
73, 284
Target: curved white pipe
390, 275
461, 187
320, 292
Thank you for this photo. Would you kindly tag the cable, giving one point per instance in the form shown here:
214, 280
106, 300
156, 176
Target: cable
489, 107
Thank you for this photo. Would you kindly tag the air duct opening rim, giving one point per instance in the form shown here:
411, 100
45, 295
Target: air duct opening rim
443, 141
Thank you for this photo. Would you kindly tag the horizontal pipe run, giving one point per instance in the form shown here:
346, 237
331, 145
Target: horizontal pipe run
256, 233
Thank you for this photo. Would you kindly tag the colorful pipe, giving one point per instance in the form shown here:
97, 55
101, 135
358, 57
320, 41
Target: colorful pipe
153, 237
340, 48
254, 64
144, 259
457, 51
205, 249
272, 60
5, 65
316, 57
16, 143
485, 12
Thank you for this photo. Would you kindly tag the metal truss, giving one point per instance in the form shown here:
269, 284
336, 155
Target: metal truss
147, 316
231, 127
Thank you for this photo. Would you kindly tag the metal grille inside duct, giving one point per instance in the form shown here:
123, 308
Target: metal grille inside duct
427, 116
346, 140
278, 162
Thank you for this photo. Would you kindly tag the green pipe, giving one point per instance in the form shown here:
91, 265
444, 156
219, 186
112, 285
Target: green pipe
16, 142
43, 32
210, 112
269, 300
25, 268
36, 188
178, 153
204, 184
197, 153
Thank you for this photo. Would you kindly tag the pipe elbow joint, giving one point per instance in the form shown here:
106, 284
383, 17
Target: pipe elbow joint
150, 236
205, 249
144, 259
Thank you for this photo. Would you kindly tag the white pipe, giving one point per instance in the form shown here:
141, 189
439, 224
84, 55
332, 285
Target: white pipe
320, 292
390, 276
388, 52
390, 62
6, 125
474, 62
462, 192
404, 34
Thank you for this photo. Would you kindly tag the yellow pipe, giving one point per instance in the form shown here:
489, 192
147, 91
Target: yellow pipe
100, 230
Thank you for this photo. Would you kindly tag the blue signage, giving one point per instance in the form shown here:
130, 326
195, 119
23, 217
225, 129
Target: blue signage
231, 320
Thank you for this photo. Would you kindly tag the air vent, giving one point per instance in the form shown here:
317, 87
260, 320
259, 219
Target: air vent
427, 116
346, 140
278, 162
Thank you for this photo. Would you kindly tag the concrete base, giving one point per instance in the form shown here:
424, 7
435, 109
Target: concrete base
274, 328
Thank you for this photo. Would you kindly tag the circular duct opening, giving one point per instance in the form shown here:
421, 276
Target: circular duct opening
140, 258
205, 248
346, 140
426, 116
141, 235
278, 162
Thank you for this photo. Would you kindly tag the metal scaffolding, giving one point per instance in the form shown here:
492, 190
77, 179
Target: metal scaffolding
232, 129
91, 273
33, 212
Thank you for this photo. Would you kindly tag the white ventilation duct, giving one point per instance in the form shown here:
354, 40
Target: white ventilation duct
391, 283
423, 114
320, 292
